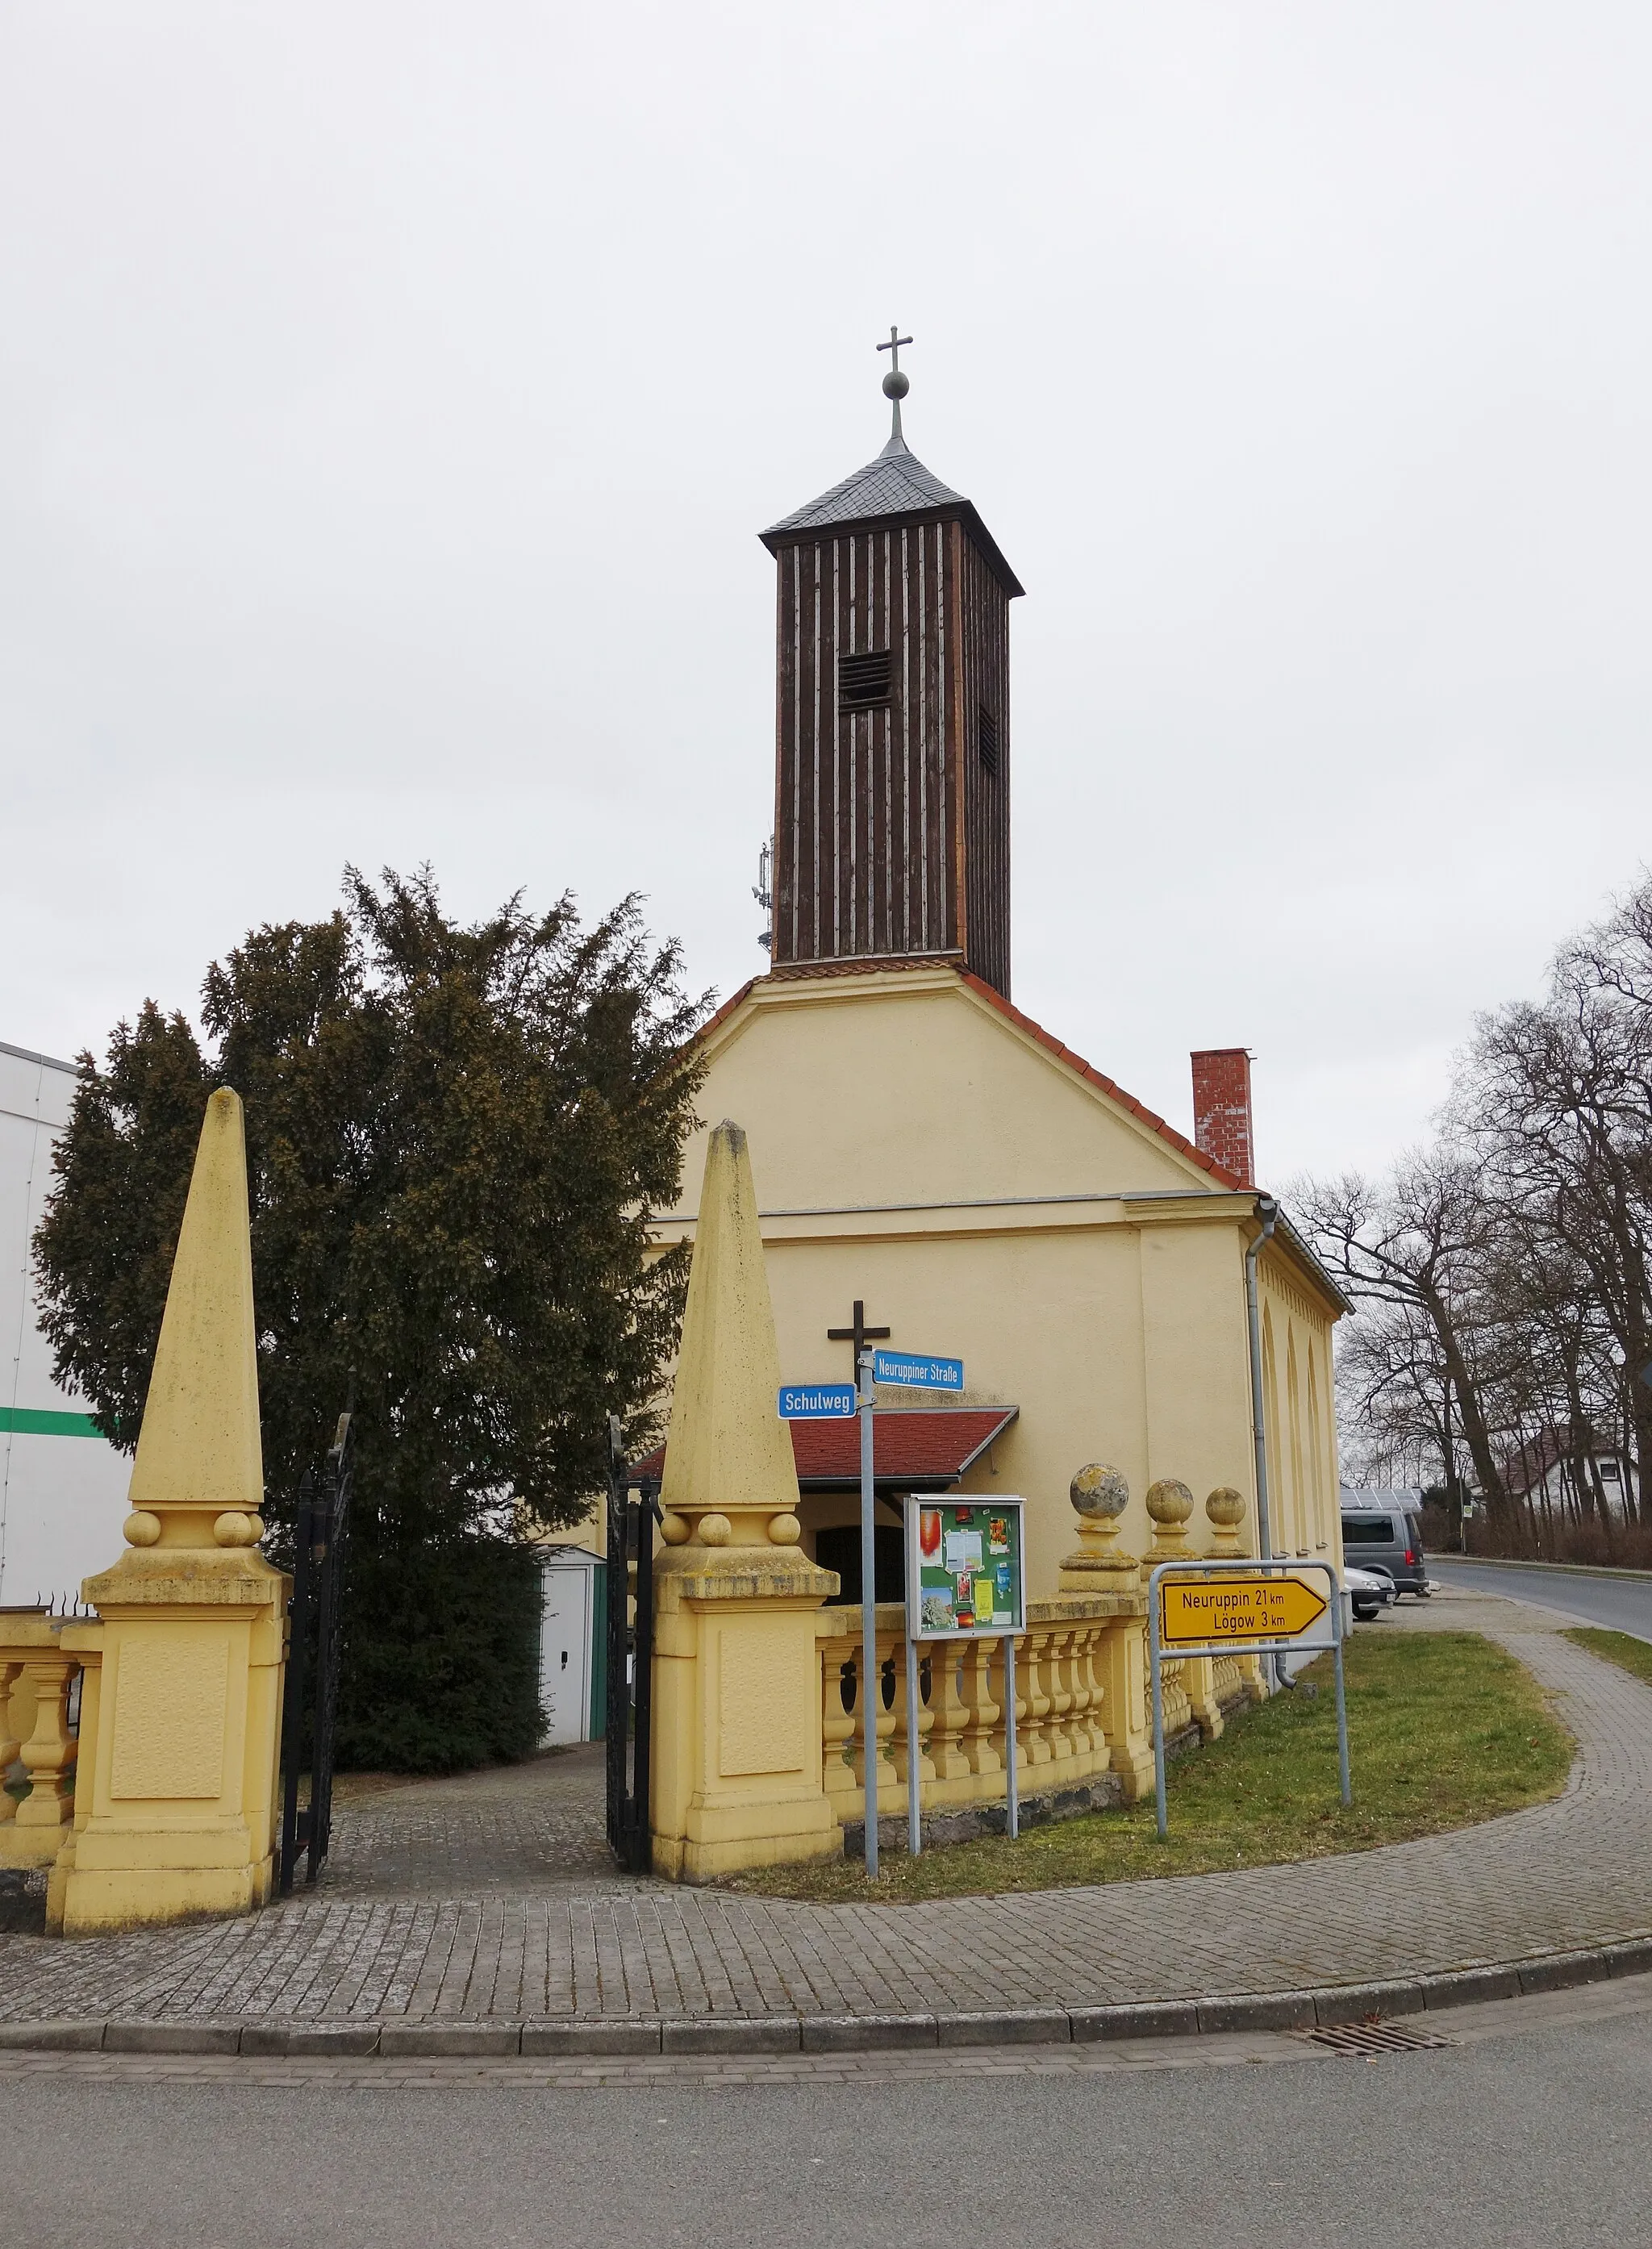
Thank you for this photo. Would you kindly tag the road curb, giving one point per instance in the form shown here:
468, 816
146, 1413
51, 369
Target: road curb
568, 2036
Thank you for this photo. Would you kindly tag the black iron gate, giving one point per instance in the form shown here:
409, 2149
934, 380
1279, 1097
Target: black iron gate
630, 1652
313, 1659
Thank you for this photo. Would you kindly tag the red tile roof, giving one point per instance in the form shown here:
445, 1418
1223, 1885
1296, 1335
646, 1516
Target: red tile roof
915, 1448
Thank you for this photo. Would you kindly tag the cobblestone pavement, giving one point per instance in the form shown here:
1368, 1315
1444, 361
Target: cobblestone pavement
504, 1914
537, 1829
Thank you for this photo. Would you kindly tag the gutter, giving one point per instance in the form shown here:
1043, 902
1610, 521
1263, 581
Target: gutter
1268, 1217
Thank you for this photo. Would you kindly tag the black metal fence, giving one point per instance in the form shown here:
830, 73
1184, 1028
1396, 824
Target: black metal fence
309, 1713
630, 1652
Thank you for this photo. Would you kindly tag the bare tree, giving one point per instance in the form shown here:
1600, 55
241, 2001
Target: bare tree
1503, 1274
1414, 1244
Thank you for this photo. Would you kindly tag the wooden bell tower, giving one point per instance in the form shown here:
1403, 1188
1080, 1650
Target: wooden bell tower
892, 741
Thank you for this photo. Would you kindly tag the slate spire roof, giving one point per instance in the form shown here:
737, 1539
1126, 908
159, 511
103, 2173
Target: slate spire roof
894, 483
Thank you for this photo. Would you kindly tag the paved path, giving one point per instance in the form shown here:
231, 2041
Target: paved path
1620, 1604
536, 1829
573, 1940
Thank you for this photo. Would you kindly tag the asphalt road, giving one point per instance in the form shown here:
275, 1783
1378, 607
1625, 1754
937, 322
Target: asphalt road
1621, 1603
1538, 2137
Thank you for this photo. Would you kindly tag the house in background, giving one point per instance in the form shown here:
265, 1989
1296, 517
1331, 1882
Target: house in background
1547, 1471
62, 1487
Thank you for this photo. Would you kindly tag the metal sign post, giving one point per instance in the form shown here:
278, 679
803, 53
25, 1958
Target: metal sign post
966, 1565
1213, 1608
871, 1684
1012, 1774
914, 1774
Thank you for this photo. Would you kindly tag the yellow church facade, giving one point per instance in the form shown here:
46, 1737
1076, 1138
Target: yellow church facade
921, 1146
893, 1150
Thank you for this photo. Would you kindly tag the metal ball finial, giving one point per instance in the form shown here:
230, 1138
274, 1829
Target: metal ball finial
895, 384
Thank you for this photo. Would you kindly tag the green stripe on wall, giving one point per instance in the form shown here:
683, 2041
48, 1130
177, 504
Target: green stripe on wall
27, 1422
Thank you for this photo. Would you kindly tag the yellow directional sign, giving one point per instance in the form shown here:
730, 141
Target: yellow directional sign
1248, 1605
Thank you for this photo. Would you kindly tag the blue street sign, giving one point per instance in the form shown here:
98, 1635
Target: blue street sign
817, 1401
914, 1371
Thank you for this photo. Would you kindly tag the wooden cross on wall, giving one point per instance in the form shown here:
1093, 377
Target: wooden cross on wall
860, 1335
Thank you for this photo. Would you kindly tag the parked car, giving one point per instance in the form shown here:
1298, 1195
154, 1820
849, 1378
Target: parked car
1368, 1591
1383, 1536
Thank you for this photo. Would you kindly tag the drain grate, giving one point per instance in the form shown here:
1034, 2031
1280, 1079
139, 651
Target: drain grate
1371, 2038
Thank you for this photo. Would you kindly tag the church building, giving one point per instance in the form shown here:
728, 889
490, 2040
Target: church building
933, 1166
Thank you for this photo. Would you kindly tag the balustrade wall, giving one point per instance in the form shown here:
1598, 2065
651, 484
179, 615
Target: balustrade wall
37, 1678
1064, 1733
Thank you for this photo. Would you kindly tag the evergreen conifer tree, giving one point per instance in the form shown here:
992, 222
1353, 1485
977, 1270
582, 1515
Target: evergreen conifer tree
455, 1136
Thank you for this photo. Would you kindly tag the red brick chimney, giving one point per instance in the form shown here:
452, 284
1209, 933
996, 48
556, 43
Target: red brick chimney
1222, 1109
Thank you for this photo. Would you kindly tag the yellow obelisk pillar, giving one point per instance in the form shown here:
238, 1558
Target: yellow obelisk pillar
736, 1733
176, 1790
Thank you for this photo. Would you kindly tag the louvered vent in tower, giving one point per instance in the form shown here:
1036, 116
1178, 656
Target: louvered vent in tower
863, 680
989, 737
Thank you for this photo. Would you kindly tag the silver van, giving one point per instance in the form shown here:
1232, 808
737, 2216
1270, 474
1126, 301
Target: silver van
1383, 1531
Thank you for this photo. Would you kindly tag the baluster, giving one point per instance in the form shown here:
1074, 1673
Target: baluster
1058, 1729
885, 1710
1090, 1652
1075, 1663
982, 1733
48, 1755
1032, 1702
837, 1698
949, 1714
1173, 1691
10, 1743
926, 1719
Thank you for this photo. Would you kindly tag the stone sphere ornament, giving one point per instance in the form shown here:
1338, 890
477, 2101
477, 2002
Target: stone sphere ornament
233, 1527
140, 1527
1098, 1493
1169, 1502
1225, 1507
714, 1531
676, 1530
784, 1529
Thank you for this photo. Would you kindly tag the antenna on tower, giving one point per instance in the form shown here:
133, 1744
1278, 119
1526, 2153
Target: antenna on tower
764, 896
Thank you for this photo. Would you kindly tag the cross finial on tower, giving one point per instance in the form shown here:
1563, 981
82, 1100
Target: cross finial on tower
896, 385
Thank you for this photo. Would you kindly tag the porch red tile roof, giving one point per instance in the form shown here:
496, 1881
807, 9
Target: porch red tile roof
914, 1448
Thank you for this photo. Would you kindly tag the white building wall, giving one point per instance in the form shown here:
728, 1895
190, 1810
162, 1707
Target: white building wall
62, 1488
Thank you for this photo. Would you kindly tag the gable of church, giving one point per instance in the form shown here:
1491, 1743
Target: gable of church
923, 1087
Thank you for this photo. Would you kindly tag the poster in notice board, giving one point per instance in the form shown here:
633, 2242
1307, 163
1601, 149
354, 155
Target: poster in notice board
964, 1569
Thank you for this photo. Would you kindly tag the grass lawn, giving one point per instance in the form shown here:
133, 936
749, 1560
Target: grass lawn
1619, 1648
1444, 1729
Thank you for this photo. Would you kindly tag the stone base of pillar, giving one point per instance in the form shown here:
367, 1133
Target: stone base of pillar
175, 1801
737, 1763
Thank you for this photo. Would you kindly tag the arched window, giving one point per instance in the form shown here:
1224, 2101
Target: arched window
1293, 1407
1277, 1503
1321, 1531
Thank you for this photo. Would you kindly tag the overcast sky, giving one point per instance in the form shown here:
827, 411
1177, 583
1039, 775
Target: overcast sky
390, 396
